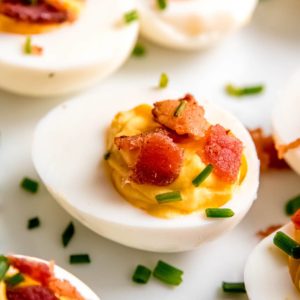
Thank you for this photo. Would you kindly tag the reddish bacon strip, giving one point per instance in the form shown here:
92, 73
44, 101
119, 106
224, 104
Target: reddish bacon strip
282, 149
189, 121
266, 232
296, 219
64, 289
266, 151
159, 159
30, 293
223, 151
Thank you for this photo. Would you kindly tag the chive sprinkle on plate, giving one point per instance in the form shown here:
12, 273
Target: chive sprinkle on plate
139, 50
287, 244
131, 16
219, 213
162, 4
80, 259
202, 176
167, 273
236, 91
68, 234
141, 274
15, 279
163, 81
292, 205
168, 197
27, 48
29, 185
33, 223
233, 287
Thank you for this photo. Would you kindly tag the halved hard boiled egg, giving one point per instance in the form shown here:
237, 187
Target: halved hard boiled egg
26, 277
68, 148
286, 124
267, 273
192, 24
86, 49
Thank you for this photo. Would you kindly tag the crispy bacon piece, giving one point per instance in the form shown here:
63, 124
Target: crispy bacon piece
36, 270
40, 13
266, 232
64, 289
223, 151
159, 159
296, 219
189, 121
282, 149
266, 151
30, 293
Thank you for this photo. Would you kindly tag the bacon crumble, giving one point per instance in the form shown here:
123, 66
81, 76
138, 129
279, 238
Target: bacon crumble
283, 149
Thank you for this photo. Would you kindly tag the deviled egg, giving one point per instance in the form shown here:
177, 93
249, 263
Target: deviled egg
68, 148
286, 124
192, 24
95, 40
24, 277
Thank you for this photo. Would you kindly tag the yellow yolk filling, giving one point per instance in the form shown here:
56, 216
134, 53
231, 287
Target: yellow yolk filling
213, 192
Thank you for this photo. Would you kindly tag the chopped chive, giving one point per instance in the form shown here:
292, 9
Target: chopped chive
163, 81
15, 279
219, 213
80, 259
292, 205
4, 266
233, 287
33, 223
107, 155
29, 185
167, 273
202, 176
287, 244
139, 50
243, 91
131, 16
68, 234
162, 4
27, 48
180, 108
141, 274
168, 197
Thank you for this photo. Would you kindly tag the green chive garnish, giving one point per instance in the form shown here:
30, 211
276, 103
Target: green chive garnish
202, 176
107, 155
131, 16
292, 205
180, 108
15, 279
68, 234
287, 244
141, 274
167, 273
243, 91
163, 81
168, 197
139, 50
162, 4
80, 259
27, 48
219, 213
29, 185
33, 223
4, 266
234, 287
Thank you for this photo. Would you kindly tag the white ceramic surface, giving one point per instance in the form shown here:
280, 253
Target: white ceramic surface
266, 51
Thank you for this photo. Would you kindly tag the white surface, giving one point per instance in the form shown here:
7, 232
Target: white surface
267, 268
68, 148
267, 51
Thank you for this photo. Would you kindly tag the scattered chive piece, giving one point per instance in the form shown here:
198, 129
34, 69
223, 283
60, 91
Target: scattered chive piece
180, 108
202, 176
292, 205
33, 223
219, 213
139, 50
287, 244
15, 279
4, 266
80, 259
131, 16
167, 273
68, 234
28, 45
168, 197
163, 81
162, 4
107, 155
29, 185
243, 91
141, 274
233, 287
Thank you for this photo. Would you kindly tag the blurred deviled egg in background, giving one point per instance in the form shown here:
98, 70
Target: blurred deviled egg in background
52, 47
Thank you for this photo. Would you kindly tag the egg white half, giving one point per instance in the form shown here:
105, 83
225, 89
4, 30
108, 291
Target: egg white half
75, 56
68, 148
60, 273
193, 24
286, 120
267, 272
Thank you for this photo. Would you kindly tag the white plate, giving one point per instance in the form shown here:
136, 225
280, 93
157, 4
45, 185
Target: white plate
267, 51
